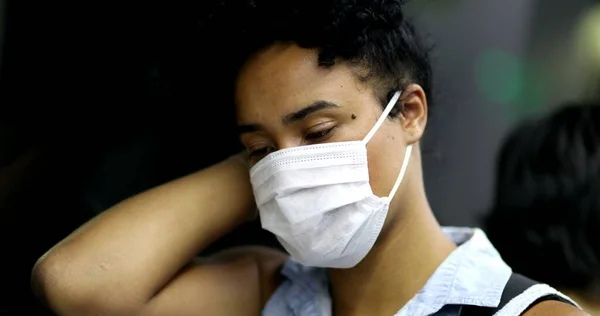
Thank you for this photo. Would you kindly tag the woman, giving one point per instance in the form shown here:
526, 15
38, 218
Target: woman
337, 180
548, 179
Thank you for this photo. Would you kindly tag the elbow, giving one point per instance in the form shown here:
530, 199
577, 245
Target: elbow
51, 285
39, 280
48, 284
61, 289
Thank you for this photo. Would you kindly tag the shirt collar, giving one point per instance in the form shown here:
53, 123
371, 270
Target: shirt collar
473, 274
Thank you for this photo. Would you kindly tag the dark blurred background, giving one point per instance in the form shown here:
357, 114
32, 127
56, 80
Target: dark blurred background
102, 101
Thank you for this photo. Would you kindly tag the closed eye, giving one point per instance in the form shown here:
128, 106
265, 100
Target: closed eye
319, 136
260, 152
322, 135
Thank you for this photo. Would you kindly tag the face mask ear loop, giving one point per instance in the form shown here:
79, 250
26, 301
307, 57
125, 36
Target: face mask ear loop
402, 171
383, 117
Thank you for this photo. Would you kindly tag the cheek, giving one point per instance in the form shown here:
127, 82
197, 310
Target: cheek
385, 161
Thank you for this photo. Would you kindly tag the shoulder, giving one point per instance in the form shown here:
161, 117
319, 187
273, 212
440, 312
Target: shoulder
259, 253
266, 260
266, 264
248, 274
540, 299
554, 308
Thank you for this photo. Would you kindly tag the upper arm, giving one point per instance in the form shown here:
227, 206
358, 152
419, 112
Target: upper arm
556, 308
234, 282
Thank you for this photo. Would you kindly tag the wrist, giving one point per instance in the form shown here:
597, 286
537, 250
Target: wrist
241, 158
240, 162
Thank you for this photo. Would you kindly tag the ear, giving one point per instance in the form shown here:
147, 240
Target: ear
413, 115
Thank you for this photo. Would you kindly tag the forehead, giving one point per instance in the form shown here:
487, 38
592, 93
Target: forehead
285, 77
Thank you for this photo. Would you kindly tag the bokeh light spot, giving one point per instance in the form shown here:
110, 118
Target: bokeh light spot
499, 76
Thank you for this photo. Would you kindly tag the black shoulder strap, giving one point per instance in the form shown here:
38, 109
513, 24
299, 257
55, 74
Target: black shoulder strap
516, 285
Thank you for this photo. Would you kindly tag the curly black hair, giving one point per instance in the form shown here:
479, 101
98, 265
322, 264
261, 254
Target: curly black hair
545, 220
371, 34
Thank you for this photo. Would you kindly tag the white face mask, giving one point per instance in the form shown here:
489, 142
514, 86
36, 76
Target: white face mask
318, 201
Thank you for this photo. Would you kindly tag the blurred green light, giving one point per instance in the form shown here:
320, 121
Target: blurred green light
520, 85
499, 76
534, 95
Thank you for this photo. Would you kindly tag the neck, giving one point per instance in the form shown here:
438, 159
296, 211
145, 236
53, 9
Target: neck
405, 256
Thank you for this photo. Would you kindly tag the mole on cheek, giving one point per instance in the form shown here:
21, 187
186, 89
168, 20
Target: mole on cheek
353, 116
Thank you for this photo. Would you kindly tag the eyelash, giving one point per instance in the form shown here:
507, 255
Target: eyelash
320, 135
259, 152
313, 137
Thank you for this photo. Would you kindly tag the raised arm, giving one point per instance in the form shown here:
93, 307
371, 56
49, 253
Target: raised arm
136, 258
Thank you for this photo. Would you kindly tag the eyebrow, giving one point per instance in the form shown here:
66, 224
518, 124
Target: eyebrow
308, 110
292, 117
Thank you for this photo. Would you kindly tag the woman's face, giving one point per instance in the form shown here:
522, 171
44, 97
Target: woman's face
284, 99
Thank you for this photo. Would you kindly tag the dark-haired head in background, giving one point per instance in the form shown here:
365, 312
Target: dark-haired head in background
545, 220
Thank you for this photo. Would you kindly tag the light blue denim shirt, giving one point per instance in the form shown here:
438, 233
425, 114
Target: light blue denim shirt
473, 274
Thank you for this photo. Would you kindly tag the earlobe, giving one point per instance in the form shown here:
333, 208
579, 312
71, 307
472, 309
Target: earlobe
414, 112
